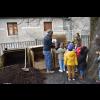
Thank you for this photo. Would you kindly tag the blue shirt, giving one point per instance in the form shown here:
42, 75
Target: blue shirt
47, 43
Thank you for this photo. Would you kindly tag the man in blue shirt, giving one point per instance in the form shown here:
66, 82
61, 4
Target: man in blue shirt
47, 51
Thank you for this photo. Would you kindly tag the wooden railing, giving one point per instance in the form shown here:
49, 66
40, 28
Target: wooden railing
19, 45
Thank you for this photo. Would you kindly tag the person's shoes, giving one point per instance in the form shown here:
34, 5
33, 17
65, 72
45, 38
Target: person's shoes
73, 79
69, 79
67, 72
47, 71
51, 71
60, 71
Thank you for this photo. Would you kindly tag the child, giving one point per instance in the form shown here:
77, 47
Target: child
97, 60
70, 60
77, 50
71, 44
61, 52
82, 64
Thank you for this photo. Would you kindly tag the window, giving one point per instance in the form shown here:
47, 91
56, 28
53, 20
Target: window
47, 25
12, 28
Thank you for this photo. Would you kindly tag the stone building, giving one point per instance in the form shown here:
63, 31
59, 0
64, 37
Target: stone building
18, 31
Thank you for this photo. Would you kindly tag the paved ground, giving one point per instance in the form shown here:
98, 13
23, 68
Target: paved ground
61, 78
14, 75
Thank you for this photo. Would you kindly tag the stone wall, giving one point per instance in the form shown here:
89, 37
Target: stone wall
29, 28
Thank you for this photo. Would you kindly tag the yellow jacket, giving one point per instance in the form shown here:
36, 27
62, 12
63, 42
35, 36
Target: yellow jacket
70, 58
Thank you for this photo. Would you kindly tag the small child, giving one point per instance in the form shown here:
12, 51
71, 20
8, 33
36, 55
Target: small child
70, 60
61, 52
82, 64
77, 50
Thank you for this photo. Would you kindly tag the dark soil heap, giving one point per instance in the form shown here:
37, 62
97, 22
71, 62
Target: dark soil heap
15, 75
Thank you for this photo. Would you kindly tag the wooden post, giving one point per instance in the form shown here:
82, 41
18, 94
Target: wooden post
54, 59
32, 58
29, 56
25, 57
25, 68
1, 61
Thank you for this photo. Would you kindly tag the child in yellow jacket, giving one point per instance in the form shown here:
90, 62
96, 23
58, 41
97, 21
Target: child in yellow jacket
70, 60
